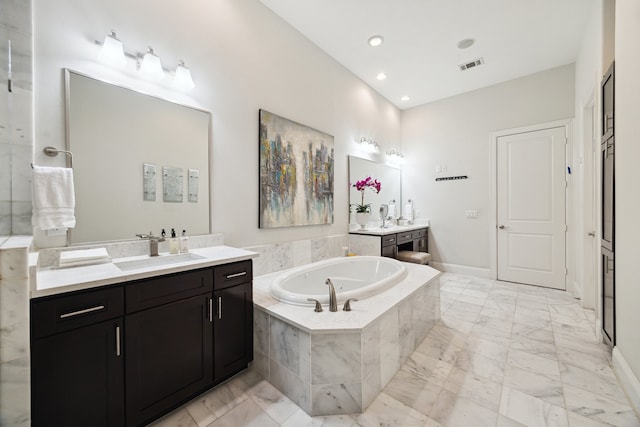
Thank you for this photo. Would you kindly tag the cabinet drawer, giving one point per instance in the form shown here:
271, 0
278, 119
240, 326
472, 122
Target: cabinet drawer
419, 233
404, 237
166, 289
65, 312
389, 240
232, 274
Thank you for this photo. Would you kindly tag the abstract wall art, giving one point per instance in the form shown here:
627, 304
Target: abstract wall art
296, 174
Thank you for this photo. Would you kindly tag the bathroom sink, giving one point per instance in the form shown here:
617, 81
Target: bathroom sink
157, 261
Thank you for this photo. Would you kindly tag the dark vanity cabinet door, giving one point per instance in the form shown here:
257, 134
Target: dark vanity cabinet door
169, 347
233, 319
77, 360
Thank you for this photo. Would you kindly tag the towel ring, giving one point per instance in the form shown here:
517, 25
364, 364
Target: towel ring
52, 152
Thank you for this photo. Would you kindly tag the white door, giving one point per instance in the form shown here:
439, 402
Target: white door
531, 207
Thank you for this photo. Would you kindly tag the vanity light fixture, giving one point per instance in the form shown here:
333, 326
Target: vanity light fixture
112, 52
369, 145
151, 67
381, 76
375, 41
395, 157
183, 80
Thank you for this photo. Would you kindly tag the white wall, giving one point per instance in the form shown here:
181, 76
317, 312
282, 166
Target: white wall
457, 132
243, 58
588, 74
627, 134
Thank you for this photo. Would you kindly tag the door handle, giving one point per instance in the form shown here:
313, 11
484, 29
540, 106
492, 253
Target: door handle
591, 234
502, 227
118, 352
219, 308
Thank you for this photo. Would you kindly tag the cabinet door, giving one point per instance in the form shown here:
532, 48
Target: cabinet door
77, 377
420, 245
389, 251
233, 330
168, 356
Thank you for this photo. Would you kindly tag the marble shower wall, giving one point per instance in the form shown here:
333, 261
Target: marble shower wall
280, 256
342, 372
14, 332
16, 118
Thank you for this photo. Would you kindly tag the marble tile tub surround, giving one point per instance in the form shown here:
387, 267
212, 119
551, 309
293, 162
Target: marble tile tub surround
14, 331
281, 256
475, 368
337, 363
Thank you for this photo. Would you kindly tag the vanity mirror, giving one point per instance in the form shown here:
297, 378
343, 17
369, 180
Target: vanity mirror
117, 136
390, 178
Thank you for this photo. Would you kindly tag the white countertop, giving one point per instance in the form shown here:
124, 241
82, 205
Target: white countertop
393, 229
51, 281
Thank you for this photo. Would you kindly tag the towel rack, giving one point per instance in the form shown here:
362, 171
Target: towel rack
52, 152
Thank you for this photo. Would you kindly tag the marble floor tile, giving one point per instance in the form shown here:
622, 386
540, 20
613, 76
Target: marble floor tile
586, 334
217, 402
495, 323
594, 362
546, 388
534, 332
530, 410
452, 322
387, 411
602, 385
534, 363
454, 410
414, 392
599, 408
508, 422
481, 365
246, 414
491, 334
274, 403
441, 350
487, 348
427, 368
301, 418
443, 333
576, 420
475, 388
524, 343
177, 418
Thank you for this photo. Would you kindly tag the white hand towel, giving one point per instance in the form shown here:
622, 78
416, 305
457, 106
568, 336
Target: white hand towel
54, 199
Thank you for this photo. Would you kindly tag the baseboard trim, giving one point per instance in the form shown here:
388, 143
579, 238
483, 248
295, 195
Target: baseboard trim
628, 381
485, 273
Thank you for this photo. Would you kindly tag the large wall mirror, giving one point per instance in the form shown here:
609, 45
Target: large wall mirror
390, 189
127, 146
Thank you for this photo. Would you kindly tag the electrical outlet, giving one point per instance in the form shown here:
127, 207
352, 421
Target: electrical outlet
471, 213
438, 169
443, 168
57, 232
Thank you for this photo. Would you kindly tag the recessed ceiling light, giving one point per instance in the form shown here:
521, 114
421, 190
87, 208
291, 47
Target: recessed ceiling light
405, 98
381, 76
375, 41
466, 43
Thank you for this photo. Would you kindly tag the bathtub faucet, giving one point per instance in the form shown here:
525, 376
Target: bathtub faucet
333, 305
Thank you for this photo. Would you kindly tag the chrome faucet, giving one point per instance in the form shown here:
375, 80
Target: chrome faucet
153, 242
333, 305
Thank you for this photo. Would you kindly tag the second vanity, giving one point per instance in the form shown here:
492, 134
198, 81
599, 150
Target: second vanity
122, 343
388, 241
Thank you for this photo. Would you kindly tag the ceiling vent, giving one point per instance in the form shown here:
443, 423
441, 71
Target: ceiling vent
471, 64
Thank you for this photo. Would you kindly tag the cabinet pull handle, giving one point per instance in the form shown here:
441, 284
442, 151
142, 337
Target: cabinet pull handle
210, 309
219, 308
231, 276
79, 312
118, 341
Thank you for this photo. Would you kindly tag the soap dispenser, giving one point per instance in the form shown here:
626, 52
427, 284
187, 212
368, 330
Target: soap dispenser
184, 242
174, 245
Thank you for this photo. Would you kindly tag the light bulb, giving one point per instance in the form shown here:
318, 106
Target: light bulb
151, 67
112, 52
183, 80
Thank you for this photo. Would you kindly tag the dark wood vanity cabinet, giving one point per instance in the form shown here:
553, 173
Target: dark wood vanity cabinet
169, 342
233, 319
127, 354
77, 360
